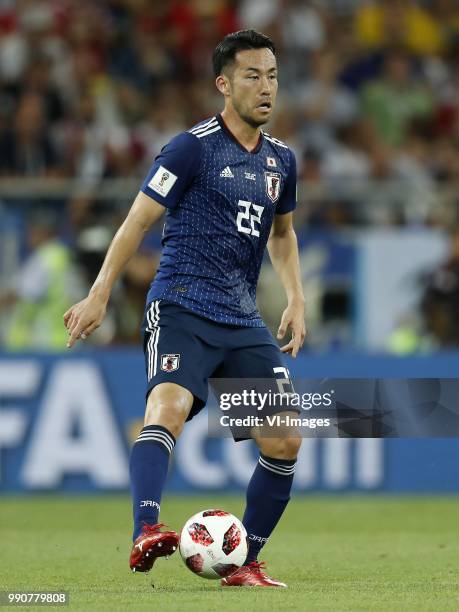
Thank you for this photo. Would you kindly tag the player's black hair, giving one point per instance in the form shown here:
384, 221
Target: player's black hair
227, 48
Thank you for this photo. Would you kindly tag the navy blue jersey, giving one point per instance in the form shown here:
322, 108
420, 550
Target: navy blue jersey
221, 200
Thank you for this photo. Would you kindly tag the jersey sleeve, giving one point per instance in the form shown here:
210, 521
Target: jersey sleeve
287, 200
173, 170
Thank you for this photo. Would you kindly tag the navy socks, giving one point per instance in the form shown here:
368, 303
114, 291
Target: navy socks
268, 494
148, 468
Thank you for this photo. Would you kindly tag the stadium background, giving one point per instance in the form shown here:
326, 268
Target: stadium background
91, 91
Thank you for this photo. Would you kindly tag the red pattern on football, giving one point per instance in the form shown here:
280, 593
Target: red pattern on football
225, 569
231, 539
215, 513
195, 563
199, 534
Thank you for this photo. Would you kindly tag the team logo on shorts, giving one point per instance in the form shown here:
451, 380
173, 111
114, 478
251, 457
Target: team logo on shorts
170, 363
273, 183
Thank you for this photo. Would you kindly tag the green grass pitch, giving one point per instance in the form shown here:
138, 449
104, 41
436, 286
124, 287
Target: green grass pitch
335, 553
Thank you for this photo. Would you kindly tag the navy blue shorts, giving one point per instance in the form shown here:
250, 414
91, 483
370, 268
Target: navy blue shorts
186, 349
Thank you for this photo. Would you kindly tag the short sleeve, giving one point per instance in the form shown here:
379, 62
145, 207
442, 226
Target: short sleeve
287, 200
173, 170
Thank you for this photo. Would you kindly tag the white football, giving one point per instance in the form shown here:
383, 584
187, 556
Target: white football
213, 543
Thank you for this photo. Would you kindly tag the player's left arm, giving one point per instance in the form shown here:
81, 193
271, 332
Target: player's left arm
283, 252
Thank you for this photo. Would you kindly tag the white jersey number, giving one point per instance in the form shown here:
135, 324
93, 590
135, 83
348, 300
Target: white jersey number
249, 219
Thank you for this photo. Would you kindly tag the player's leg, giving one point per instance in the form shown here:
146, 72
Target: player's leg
177, 365
167, 409
268, 494
268, 491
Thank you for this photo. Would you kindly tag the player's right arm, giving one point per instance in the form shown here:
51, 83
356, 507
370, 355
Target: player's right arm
172, 172
86, 316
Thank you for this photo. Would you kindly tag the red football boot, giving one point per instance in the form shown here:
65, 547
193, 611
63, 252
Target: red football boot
251, 575
151, 544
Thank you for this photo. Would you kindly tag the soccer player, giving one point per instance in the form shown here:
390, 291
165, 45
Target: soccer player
228, 189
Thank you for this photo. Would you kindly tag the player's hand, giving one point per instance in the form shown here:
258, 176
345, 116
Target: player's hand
293, 318
84, 317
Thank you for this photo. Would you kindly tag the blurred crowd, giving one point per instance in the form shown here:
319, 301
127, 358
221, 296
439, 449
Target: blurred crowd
369, 95
95, 89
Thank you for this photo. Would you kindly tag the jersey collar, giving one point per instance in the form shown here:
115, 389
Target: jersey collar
226, 129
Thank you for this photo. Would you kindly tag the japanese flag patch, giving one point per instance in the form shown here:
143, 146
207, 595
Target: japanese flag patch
162, 181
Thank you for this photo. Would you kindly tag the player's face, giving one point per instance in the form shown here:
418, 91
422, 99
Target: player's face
253, 85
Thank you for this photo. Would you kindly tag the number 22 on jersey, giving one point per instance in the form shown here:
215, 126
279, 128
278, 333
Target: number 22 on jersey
249, 219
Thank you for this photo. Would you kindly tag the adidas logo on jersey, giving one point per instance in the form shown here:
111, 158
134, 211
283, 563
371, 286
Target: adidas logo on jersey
226, 172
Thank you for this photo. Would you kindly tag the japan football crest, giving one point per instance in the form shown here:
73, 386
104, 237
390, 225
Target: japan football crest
170, 363
273, 183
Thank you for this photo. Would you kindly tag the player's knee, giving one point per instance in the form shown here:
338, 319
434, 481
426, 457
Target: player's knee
280, 448
291, 447
169, 406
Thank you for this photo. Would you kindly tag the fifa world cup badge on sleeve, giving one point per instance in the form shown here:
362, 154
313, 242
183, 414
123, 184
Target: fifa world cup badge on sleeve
162, 181
170, 363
